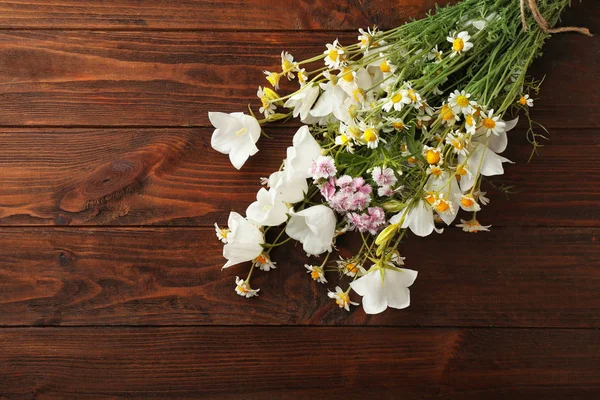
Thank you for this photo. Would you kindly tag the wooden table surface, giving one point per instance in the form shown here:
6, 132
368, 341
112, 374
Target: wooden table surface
110, 273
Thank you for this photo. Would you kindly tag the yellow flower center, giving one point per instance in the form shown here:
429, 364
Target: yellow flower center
446, 113
489, 123
523, 100
343, 139
458, 44
262, 259
333, 55
342, 299
399, 125
384, 67
431, 198
432, 156
396, 98
224, 232
347, 75
315, 275
437, 171
369, 135
351, 268
467, 201
273, 79
469, 120
301, 77
462, 101
353, 111
265, 102
412, 95
412, 160
458, 145
286, 65
242, 288
442, 206
461, 170
364, 41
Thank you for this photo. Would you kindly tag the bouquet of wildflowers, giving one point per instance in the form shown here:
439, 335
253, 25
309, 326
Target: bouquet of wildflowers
399, 131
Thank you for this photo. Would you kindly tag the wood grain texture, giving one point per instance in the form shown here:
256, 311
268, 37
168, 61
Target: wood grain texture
175, 78
509, 277
300, 363
210, 14
172, 177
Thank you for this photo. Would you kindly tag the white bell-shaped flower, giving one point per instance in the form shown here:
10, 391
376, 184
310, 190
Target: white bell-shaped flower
419, 219
236, 134
301, 155
314, 227
302, 101
383, 288
244, 240
289, 188
268, 209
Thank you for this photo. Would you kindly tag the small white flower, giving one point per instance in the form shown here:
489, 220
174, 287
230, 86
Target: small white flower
243, 288
350, 268
383, 288
236, 134
314, 227
469, 203
491, 124
460, 42
316, 273
458, 141
244, 240
288, 65
264, 262
334, 55
526, 101
396, 101
268, 209
397, 258
273, 78
472, 226
267, 108
341, 298
480, 196
460, 103
370, 136
435, 55
221, 233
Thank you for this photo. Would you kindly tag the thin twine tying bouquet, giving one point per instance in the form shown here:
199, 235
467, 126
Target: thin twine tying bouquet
399, 132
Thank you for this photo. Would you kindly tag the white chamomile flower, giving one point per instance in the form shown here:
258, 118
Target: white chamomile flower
526, 101
243, 288
264, 262
480, 196
344, 141
458, 141
491, 124
460, 42
273, 78
366, 39
433, 155
413, 95
334, 55
288, 65
435, 55
444, 205
469, 203
221, 233
472, 226
350, 268
370, 136
302, 76
463, 170
267, 107
396, 101
316, 272
435, 171
341, 298
448, 116
471, 124
394, 124
397, 258
460, 103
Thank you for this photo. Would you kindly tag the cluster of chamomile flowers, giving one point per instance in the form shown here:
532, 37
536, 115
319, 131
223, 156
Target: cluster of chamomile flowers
362, 94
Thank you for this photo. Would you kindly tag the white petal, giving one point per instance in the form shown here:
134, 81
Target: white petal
420, 220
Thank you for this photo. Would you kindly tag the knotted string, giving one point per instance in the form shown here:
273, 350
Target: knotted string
543, 24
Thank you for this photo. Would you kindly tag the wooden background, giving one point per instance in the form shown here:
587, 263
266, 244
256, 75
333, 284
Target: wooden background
110, 280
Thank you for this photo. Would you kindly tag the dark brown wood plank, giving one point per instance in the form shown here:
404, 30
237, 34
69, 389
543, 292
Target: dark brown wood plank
173, 177
529, 277
174, 78
209, 14
300, 363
